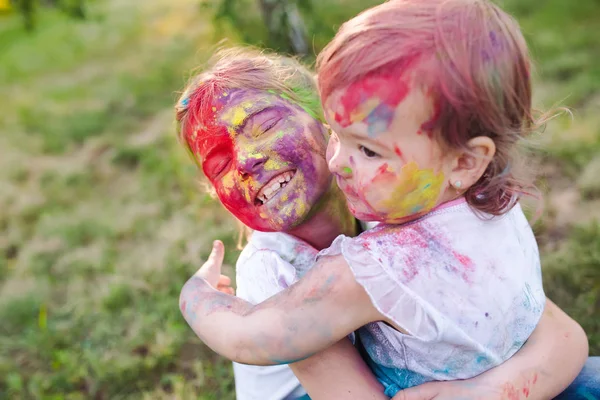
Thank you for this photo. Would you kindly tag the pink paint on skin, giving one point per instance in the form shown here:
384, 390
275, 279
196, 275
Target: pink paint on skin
429, 125
383, 168
373, 99
511, 392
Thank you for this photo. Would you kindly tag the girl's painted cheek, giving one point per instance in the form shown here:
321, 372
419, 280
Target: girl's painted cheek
414, 191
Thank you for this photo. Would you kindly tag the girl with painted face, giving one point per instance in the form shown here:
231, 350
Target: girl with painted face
253, 123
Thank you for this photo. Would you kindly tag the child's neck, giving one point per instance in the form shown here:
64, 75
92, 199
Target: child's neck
329, 218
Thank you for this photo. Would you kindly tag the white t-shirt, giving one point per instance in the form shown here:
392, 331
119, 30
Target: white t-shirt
467, 291
269, 263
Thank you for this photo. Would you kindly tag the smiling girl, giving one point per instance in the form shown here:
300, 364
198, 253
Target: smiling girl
261, 158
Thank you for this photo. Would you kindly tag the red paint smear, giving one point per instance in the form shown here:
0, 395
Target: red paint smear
510, 392
535, 376
467, 263
182, 306
397, 150
382, 169
526, 391
383, 174
429, 125
201, 122
386, 84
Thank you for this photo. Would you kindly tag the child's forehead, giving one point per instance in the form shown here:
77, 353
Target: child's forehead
233, 107
404, 95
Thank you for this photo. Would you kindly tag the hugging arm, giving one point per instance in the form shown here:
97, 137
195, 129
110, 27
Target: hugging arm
340, 373
313, 314
545, 365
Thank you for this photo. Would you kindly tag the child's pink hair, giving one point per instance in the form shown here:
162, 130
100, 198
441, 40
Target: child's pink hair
471, 56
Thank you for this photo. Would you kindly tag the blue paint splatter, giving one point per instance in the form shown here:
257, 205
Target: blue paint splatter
380, 119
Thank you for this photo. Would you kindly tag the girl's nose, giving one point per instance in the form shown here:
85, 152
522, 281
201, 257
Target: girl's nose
250, 164
337, 160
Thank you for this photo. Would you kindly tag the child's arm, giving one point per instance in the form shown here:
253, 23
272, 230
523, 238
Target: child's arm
340, 373
547, 363
337, 372
313, 314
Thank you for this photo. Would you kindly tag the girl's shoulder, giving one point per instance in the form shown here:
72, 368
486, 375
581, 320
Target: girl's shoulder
269, 263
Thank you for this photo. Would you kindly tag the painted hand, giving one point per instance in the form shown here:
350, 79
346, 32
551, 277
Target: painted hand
211, 269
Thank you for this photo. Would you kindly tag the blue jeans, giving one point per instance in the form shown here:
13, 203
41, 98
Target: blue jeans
587, 384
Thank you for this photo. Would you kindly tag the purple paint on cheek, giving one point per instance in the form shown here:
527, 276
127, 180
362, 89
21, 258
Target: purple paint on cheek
352, 161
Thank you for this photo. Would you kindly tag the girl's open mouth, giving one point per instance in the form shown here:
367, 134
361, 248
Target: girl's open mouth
274, 186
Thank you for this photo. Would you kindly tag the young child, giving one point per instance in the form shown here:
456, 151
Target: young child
425, 127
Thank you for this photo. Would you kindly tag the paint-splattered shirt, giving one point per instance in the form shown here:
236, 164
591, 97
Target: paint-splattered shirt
270, 263
467, 291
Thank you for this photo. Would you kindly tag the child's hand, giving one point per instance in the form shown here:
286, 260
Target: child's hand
211, 270
224, 285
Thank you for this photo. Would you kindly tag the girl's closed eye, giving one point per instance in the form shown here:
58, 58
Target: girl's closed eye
269, 124
216, 165
267, 119
368, 152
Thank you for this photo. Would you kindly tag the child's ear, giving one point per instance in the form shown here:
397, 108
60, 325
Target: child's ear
470, 164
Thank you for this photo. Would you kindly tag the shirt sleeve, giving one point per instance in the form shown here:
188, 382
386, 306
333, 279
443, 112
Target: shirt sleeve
262, 274
388, 295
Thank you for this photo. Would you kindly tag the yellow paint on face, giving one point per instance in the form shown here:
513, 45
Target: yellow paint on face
273, 165
364, 110
234, 116
228, 182
415, 191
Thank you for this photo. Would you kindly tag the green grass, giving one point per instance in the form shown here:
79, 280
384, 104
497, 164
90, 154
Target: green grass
102, 219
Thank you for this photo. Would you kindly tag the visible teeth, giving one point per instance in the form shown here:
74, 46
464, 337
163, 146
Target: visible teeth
267, 192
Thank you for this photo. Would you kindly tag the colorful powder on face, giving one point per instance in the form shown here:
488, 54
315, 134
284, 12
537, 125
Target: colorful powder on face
398, 151
235, 116
373, 100
240, 156
347, 170
415, 191
383, 168
429, 125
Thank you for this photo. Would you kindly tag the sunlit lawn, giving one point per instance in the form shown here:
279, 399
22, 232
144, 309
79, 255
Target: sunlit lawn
102, 218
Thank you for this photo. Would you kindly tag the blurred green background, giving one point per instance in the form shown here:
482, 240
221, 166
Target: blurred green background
102, 218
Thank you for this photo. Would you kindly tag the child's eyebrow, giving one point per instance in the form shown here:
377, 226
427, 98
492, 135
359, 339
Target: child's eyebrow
366, 138
253, 114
